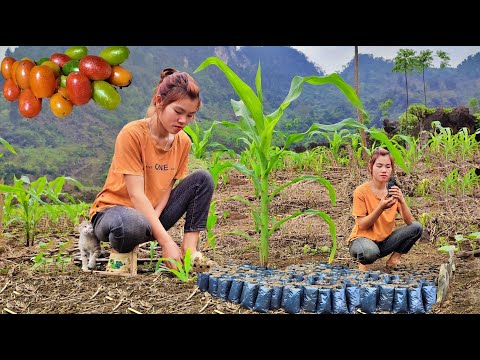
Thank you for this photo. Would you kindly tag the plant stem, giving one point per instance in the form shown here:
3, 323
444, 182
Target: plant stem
264, 221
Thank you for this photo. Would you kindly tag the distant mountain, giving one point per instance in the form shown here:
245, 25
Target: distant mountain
81, 145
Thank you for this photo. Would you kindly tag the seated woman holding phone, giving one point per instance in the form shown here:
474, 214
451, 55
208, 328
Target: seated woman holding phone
375, 205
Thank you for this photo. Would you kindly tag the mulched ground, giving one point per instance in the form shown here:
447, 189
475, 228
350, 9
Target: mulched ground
67, 290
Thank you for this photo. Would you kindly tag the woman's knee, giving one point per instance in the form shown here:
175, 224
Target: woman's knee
134, 223
369, 256
119, 225
365, 251
205, 178
417, 228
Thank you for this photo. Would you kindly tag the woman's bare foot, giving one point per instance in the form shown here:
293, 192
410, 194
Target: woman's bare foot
362, 267
394, 260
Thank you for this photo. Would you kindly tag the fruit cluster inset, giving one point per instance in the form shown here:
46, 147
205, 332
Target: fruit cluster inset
68, 79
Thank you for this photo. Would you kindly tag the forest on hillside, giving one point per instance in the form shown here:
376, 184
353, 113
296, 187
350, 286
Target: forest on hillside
81, 145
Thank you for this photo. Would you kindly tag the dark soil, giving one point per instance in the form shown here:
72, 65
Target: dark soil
53, 290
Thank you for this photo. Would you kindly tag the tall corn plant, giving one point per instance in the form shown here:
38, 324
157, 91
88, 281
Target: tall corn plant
260, 157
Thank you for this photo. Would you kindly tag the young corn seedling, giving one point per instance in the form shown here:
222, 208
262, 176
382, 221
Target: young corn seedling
467, 143
153, 245
40, 259
211, 221
30, 205
469, 181
62, 256
182, 270
450, 183
200, 139
260, 156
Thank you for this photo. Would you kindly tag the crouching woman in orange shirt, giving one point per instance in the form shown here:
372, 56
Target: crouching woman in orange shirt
374, 208
139, 201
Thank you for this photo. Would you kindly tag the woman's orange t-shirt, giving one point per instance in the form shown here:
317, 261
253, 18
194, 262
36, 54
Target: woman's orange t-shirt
137, 153
364, 203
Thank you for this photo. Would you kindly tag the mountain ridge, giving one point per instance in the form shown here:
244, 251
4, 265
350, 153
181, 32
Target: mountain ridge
81, 145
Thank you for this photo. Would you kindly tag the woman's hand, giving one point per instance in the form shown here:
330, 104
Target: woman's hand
387, 202
171, 250
397, 194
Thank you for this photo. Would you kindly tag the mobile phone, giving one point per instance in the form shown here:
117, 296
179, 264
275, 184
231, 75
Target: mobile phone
391, 183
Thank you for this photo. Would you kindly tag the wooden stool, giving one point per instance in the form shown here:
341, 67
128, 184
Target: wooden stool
123, 264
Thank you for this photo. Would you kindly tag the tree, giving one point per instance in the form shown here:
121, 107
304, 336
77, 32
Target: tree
385, 106
473, 105
444, 62
424, 61
405, 62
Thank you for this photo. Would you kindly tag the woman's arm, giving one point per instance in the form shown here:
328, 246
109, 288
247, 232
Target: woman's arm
404, 209
365, 222
163, 201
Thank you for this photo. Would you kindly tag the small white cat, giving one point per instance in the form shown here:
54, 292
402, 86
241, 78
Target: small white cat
89, 246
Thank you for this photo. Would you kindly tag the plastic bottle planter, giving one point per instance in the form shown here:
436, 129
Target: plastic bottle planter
321, 288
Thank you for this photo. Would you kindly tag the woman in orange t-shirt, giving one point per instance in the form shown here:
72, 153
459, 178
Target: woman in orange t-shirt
139, 202
374, 209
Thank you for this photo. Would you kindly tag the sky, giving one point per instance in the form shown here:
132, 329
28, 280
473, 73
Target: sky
333, 58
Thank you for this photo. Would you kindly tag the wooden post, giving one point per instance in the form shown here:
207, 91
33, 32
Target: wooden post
443, 282
359, 113
444, 277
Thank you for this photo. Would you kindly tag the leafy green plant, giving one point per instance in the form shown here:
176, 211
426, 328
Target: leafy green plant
473, 238
336, 140
357, 147
469, 181
153, 245
62, 256
467, 143
40, 259
2, 196
8, 209
424, 218
385, 106
443, 139
182, 270
423, 187
459, 239
29, 203
260, 157
447, 248
211, 221
6, 144
59, 260
450, 183
412, 151
325, 249
200, 139
218, 167
308, 250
